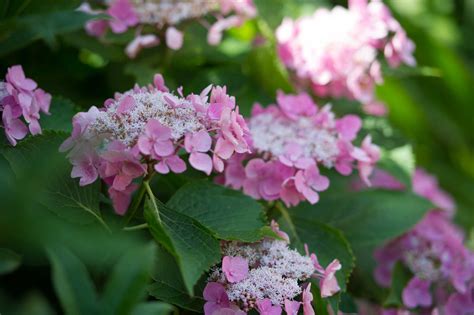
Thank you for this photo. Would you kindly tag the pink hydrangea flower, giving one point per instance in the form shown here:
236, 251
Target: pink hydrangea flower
235, 268
266, 276
166, 17
142, 130
433, 251
337, 52
20, 97
291, 141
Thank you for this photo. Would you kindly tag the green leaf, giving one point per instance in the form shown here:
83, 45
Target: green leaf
72, 202
228, 213
72, 283
400, 278
169, 285
17, 33
152, 308
9, 261
325, 241
264, 66
195, 249
37, 161
367, 218
129, 280
348, 304
60, 119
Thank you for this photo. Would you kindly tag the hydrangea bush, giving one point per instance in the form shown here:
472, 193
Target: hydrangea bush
255, 187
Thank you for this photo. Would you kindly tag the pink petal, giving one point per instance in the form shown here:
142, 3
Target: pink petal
140, 42
224, 149
310, 195
163, 148
145, 145
292, 307
348, 126
161, 167
121, 199
43, 99
159, 83
217, 163
235, 268
34, 127
201, 141
174, 38
176, 164
307, 299
17, 129
201, 162
155, 129
126, 104
121, 182
17, 77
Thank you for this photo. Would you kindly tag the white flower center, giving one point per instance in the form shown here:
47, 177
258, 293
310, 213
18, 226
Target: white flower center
272, 134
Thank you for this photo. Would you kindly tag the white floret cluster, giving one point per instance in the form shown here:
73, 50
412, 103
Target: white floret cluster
275, 271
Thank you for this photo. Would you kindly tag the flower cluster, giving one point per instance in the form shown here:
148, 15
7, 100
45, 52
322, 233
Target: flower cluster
166, 15
147, 129
266, 276
289, 143
21, 97
335, 51
442, 267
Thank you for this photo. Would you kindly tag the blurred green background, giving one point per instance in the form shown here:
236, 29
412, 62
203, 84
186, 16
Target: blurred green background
431, 108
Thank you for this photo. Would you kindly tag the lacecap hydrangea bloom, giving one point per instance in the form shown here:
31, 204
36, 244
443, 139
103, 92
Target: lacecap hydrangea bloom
290, 142
442, 267
20, 98
336, 52
267, 276
148, 129
150, 18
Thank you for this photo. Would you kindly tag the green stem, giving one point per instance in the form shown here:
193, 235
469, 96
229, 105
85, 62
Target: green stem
153, 199
287, 218
136, 227
135, 205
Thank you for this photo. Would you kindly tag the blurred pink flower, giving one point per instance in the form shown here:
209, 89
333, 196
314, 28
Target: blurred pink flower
20, 97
